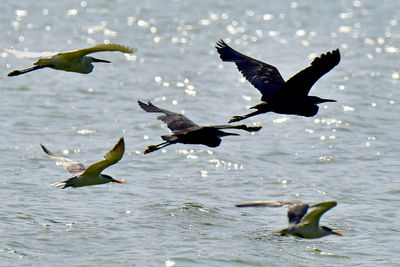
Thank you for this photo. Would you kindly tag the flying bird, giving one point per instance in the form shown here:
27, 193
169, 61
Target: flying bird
91, 175
303, 224
290, 97
187, 132
75, 61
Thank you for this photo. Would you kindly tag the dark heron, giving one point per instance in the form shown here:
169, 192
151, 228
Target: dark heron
290, 97
187, 132
303, 224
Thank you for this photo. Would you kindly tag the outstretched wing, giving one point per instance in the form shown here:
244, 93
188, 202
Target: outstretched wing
110, 158
175, 122
296, 212
272, 203
264, 77
296, 209
28, 54
71, 166
98, 48
301, 83
318, 209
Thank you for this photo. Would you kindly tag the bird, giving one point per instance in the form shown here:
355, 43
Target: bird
187, 132
91, 175
73, 61
303, 224
290, 97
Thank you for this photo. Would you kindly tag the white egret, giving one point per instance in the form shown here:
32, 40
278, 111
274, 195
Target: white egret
305, 225
75, 61
91, 175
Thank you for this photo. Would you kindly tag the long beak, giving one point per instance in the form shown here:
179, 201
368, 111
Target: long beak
116, 181
327, 100
100, 60
227, 133
336, 233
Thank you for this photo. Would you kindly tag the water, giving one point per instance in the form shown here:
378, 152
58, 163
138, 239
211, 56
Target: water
176, 207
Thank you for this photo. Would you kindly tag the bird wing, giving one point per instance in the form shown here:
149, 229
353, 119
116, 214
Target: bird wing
71, 166
301, 83
318, 209
98, 48
27, 54
264, 77
175, 122
296, 212
110, 158
273, 203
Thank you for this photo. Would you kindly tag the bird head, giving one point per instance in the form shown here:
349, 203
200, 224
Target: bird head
110, 179
330, 231
93, 59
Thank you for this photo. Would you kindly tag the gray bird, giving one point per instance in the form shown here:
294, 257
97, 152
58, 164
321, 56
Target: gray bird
187, 132
91, 175
303, 224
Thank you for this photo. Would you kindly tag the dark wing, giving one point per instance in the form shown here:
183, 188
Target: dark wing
264, 77
175, 122
301, 83
296, 212
71, 166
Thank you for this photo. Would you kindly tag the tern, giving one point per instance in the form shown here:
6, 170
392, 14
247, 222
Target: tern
74, 61
91, 175
187, 132
290, 97
303, 224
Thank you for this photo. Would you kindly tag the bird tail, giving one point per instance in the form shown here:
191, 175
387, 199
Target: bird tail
227, 53
19, 72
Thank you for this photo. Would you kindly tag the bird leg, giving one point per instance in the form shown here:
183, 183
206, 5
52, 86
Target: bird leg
156, 147
19, 72
261, 108
239, 118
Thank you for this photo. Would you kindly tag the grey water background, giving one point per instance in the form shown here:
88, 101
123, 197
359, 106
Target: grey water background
176, 207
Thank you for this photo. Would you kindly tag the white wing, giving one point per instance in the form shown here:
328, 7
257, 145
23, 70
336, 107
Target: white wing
28, 54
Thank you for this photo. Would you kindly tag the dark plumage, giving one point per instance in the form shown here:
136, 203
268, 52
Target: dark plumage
290, 97
187, 132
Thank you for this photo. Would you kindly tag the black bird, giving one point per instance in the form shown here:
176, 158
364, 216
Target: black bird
290, 97
303, 224
187, 132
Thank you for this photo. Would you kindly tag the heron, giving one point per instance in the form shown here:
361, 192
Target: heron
91, 175
73, 61
187, 132
303, 224
290, 97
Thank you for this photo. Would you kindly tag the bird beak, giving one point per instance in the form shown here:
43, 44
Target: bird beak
116, 181
336, 233
327, 100
100, 60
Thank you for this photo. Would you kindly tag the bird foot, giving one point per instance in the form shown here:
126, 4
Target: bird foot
150, 149
236, 118
254, 128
